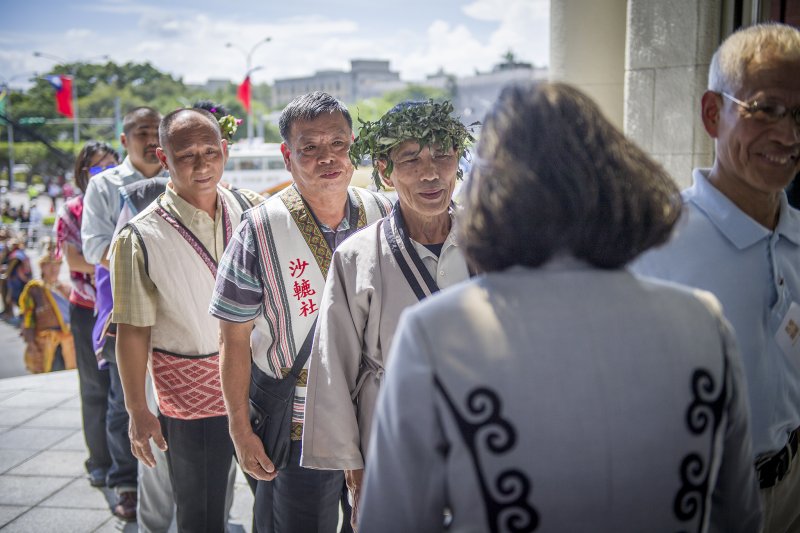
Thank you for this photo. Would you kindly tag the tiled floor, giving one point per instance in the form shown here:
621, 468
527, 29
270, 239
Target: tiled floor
43, 485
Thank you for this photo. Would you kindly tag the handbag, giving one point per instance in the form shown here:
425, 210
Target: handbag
271, 405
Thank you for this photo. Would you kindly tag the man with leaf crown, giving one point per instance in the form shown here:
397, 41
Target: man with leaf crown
413, 252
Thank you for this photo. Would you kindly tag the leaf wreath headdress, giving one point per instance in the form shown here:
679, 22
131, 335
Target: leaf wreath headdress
427, 123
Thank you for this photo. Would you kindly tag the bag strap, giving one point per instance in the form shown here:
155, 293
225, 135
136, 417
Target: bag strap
243, 202
304, 352
397, 237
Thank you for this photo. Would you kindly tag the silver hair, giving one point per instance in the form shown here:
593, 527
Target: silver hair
734, 55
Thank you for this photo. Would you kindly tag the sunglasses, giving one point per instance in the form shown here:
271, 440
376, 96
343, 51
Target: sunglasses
98, 170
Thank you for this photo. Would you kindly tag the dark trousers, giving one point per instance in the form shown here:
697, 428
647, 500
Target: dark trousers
123, 471
93, 386
299, 500
199, 456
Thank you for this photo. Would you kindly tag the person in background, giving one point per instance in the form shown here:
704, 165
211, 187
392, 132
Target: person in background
94, 157
162, 317
101, 213
44, 306
557, 391
16, 270
740, 240
377, 273
267, 293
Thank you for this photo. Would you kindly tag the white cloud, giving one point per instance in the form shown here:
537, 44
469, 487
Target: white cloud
191, 45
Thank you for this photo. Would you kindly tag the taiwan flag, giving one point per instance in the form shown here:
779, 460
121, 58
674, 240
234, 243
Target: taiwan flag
243, 94
63, 87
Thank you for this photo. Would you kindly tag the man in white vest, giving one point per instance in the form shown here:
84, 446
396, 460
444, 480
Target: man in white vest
267, 297
163, 266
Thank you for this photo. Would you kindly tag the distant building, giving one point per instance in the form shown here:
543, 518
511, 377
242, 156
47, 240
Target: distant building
212, 85
476, 94
366, 78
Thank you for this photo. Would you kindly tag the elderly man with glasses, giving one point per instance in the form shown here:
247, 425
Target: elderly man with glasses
741, 240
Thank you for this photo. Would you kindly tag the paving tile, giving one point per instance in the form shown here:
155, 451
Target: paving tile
10, 512
37, 398
6, 394
74, 403
74, 442
49, 520
13, 416
79, 495
115, 525
20, 383
54, 463
28, 490
11, 458
21, 438
56, 418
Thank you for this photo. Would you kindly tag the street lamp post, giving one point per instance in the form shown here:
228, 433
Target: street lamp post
10, 127
248, 69
74, 74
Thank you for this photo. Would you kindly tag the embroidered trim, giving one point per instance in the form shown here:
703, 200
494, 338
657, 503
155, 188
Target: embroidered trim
275, 301
506, 500
308, 228
190, 238
706, 409
184, 356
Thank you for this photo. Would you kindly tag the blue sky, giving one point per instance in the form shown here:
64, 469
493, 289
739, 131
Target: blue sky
187, 38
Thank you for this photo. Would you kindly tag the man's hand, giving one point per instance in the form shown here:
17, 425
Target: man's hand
143, 427
252, 457
354, 479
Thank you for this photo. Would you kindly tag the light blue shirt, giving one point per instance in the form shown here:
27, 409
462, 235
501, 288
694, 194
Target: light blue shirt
101, 208
755, 273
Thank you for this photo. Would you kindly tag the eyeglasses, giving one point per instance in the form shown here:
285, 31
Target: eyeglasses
770, 112
98, 170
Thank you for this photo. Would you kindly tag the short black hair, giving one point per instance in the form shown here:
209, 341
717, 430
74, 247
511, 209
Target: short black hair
553, 176
308, 107
85, 156
166, 123
135, 114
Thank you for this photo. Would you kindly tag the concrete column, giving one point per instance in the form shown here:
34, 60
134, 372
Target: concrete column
587, 49
668, 50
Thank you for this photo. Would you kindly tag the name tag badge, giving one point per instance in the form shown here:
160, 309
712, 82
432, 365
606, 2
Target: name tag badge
788, 335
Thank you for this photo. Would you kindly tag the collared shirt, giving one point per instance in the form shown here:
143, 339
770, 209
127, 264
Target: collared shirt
448, 268
755, 273
135, 295
101, 207
334, 237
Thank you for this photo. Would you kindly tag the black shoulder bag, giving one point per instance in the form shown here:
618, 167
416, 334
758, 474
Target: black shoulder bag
271, 402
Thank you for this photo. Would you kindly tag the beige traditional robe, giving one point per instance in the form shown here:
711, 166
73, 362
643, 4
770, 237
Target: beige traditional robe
365, 293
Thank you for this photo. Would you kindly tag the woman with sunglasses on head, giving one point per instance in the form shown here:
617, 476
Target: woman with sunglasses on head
94, 158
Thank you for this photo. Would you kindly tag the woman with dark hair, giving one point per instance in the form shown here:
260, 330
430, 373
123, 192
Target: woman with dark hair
94, 157
558, 392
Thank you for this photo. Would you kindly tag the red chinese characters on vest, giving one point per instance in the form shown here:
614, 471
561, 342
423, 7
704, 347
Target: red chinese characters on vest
302, 287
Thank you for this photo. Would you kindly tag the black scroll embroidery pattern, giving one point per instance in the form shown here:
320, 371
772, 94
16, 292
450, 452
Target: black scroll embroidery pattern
484, 429
704, 414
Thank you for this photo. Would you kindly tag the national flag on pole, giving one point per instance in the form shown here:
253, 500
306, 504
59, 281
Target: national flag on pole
3, 96
243, 94
63, 86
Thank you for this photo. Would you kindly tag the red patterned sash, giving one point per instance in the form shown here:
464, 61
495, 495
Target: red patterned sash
188, 387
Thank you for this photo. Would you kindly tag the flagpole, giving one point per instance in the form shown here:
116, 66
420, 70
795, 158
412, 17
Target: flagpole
248, 57
10, 127
74, 88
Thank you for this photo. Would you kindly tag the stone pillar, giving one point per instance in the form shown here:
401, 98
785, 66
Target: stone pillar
668, 50
587, 49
